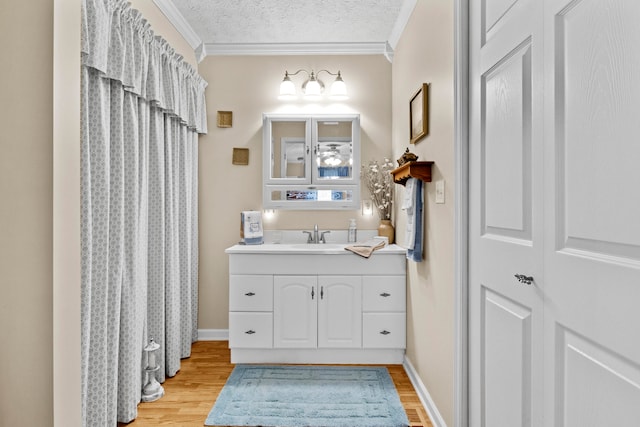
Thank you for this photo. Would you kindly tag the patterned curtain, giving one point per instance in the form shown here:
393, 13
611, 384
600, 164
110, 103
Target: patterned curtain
142, 110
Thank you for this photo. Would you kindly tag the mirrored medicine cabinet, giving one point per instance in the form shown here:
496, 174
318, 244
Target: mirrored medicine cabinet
311, 161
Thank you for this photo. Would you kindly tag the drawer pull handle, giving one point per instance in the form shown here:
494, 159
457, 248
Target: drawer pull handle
313, 293
384, 295
385, 332
250, 332
249, 294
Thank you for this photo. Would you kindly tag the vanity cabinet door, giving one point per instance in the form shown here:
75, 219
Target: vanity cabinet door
295, 311
340, 312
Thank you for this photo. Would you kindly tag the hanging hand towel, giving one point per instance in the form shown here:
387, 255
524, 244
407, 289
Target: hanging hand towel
414, 253
408, 205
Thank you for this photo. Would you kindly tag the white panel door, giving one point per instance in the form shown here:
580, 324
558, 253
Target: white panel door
295, 312
592, 213
555, 196
340, 312
505, 228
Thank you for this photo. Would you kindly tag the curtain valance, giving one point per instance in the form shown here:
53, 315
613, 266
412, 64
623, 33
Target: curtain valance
119, 43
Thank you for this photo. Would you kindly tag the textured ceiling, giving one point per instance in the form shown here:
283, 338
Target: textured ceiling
297, 21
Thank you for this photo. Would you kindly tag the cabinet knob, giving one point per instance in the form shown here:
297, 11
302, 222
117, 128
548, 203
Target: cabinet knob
384, 295
250, 332
527, 280
249, 294
385, 332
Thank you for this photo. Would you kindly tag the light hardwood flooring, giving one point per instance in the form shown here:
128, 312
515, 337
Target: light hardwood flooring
190, 395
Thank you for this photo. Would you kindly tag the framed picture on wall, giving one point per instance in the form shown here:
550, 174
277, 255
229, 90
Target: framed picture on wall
419, 114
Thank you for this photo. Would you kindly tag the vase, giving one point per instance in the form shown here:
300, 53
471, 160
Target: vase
386, 229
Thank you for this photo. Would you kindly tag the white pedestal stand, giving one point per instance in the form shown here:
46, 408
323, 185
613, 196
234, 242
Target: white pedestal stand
152, 389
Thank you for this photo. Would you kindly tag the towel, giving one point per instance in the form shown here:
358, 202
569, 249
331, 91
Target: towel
365, 249
408, 205
409, 194
414, 252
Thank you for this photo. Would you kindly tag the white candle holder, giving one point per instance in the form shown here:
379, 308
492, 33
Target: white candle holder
152, 389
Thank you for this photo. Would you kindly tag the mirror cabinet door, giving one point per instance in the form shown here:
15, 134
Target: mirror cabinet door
334, 153
290, 149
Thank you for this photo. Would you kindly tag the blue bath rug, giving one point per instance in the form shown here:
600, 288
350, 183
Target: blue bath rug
308, 396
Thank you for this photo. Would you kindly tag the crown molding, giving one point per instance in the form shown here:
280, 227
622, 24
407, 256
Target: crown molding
168, 8
177, 20
213, 49
403, 18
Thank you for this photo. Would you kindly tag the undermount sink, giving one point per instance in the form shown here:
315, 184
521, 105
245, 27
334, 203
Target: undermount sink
317, 246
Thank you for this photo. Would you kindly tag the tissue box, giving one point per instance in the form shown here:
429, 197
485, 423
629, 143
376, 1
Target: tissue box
251, 232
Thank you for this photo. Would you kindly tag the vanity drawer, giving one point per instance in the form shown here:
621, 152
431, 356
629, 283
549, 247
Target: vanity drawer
383, 330
250, 292
250, 330
384, 293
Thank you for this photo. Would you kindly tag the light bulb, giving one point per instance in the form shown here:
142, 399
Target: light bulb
287, 88
338, 89
312, 89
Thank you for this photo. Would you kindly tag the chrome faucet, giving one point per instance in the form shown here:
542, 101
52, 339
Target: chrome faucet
314, 238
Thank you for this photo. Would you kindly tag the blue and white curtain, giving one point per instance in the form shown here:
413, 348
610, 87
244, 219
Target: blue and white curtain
142, 110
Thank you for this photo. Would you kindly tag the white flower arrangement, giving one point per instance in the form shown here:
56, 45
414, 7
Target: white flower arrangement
378, 179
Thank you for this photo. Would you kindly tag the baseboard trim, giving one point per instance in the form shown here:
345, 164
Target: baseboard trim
423, 394
213, 335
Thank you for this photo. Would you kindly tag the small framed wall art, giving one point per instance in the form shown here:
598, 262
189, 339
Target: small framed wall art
419, 114
225, 119
240, 156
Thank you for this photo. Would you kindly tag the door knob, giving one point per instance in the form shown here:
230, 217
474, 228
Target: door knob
527, 280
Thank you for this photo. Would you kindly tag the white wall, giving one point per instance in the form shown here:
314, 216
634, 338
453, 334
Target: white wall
26, 172
424, 54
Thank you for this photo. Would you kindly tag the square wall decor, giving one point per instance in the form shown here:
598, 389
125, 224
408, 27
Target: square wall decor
240, 156
225, 119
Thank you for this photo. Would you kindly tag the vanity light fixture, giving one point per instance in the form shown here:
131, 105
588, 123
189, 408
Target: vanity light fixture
313, 87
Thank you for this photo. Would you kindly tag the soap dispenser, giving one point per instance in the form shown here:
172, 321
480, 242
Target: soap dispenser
353, 231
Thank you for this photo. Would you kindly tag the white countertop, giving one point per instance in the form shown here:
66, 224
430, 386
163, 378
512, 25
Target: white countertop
308, 249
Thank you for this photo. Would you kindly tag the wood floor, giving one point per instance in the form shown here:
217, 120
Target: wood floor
190, 395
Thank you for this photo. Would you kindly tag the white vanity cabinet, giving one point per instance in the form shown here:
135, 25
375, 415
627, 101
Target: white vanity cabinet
317, 311
316, 307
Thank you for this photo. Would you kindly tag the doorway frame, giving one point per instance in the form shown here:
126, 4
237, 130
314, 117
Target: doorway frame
461, 213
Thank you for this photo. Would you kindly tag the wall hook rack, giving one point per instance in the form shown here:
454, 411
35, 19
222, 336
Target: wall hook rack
419, 170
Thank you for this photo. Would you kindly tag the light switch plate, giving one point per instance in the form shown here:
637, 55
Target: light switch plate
440, 191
